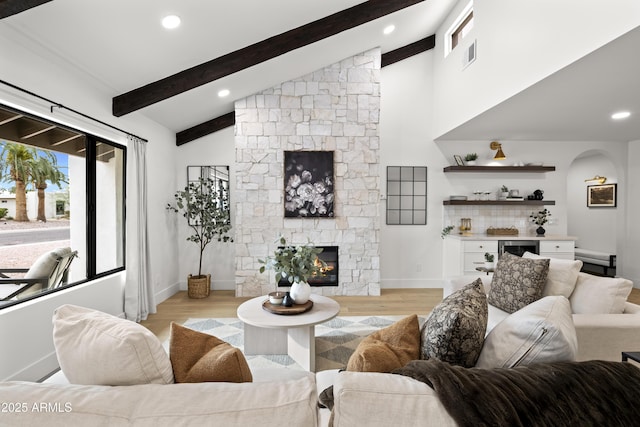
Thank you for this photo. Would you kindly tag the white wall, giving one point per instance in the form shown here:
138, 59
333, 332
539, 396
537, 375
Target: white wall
219, 258
596, 227
520, 42
25, 330
411, 255
629, 246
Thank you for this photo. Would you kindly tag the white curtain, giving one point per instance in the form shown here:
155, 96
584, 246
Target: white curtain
139, 300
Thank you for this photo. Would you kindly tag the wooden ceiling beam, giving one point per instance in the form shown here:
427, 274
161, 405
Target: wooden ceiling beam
13, 7
206, 128
254, 54
229, 119
408, 51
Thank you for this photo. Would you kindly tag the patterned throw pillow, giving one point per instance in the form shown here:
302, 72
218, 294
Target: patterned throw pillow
517, 282
454, 332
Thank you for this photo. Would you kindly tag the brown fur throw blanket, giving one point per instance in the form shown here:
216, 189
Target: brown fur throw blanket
593, 393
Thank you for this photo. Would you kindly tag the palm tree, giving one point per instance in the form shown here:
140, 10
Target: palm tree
15, 165
44, 167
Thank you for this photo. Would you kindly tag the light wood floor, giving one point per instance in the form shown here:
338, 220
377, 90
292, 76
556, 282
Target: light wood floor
180, 307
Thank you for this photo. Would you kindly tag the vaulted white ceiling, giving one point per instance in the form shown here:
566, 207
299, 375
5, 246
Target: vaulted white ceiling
122, 46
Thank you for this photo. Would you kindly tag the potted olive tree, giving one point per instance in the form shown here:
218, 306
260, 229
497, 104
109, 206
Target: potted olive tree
206, 209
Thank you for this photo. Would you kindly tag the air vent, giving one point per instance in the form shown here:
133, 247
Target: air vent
470, 54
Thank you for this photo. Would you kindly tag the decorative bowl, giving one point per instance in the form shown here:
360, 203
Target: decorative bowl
275, 298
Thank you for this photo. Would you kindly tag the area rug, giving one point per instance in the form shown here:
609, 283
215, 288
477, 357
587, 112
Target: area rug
335, 340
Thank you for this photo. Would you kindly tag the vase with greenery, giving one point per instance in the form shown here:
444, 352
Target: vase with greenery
206, 209
540, 218
296, 264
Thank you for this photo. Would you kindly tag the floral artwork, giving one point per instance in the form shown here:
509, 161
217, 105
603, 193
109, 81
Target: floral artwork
308, 184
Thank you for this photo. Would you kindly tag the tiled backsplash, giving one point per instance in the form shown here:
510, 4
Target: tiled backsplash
497, 216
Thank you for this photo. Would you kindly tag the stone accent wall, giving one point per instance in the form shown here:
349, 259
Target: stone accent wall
333, 109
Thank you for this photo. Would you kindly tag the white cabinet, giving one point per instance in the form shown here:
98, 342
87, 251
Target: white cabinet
563, 249
461, 256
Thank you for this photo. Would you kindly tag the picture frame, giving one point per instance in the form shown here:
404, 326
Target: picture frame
602, 196
308, 184
458, 160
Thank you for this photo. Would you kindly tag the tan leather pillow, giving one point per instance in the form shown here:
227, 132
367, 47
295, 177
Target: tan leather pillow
199, 357
389, 348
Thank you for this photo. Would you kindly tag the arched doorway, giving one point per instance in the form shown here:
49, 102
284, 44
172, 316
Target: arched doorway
596, 228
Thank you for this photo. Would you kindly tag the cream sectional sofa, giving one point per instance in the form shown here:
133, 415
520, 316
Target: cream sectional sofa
606, 323
276, 397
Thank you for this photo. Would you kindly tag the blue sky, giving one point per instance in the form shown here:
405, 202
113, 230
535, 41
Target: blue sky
63, 165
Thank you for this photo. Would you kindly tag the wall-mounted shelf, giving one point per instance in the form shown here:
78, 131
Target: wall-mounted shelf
498, 169
498, 202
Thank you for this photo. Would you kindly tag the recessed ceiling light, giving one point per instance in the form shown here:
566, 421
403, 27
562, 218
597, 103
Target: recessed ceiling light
171, 21
620, 115
223, 93
389, 29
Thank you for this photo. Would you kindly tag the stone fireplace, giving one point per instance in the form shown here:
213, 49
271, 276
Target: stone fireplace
334, 109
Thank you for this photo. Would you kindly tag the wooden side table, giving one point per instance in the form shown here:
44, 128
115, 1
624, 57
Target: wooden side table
486, 270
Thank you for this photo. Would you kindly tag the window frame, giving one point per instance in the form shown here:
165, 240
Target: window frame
91, 190
452, 36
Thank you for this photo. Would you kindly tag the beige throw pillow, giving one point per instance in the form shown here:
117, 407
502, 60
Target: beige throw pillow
562, 277
97, 348
600, 295
541, 332
388, 348
517, 282
198, 357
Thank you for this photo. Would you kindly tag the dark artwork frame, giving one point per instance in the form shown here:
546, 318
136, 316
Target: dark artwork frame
602, 196
308, 184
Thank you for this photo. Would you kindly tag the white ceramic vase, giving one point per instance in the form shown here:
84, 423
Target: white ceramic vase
300, 292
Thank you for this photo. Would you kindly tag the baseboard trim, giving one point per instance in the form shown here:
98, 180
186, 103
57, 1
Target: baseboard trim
411, 283
37, 370
167, 292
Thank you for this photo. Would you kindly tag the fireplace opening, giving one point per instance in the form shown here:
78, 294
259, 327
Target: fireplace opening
329, 275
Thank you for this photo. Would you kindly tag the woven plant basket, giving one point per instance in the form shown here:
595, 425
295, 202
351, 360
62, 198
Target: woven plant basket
199, 286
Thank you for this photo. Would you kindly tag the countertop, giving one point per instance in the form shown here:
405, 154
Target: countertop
484, 236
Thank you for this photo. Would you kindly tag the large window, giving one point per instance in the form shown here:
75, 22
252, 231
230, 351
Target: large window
59, 188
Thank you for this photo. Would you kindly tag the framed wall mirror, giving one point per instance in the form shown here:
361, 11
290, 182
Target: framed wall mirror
219, 175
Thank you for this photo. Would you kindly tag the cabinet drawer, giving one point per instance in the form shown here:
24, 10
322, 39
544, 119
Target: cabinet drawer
558, 255
556, 246
481, 246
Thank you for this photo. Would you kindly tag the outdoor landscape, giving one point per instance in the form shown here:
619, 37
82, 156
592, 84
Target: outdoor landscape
25, 235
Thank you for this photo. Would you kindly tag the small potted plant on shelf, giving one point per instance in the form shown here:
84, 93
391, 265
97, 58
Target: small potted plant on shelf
540, 218
470, 159
488, 260
504, 192
296, 264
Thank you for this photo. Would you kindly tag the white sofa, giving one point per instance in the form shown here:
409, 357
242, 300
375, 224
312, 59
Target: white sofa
601, 336
276, 397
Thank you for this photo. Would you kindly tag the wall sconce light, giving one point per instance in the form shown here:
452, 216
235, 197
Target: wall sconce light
597, 178
495, 145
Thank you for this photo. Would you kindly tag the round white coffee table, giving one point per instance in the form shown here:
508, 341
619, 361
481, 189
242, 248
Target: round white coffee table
269, 333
